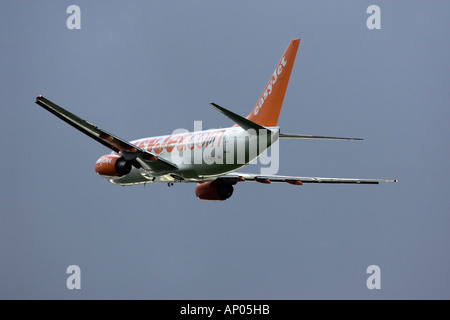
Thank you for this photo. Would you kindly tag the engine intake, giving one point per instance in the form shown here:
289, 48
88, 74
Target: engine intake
217, 190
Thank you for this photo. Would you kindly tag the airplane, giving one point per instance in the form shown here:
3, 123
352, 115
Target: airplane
209, 158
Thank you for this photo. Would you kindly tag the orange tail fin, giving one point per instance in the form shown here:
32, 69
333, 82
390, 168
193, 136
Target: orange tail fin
268, 107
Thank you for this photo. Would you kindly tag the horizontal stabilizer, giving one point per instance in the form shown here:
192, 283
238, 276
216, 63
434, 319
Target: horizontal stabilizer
305, 136
241, 121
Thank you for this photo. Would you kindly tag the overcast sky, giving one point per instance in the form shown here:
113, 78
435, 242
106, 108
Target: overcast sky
145, 68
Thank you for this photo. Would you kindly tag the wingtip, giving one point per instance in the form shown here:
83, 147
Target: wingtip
216, 106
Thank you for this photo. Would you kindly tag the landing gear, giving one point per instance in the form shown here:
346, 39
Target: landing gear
170, 184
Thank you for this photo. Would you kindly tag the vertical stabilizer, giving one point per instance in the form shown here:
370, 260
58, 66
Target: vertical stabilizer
268, 107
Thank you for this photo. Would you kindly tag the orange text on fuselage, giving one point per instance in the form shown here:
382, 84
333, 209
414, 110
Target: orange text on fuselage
181, 142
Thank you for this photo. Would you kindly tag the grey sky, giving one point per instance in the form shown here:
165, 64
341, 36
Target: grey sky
144, 68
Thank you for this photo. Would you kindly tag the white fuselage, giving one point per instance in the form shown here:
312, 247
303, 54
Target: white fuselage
201, 155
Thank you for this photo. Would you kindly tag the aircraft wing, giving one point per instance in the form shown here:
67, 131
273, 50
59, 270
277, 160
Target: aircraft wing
235, 177
148, 160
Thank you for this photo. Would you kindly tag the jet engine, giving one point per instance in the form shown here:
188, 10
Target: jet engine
112, 166
217, 190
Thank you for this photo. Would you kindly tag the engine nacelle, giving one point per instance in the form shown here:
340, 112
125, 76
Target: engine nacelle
112, 165
217, 190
